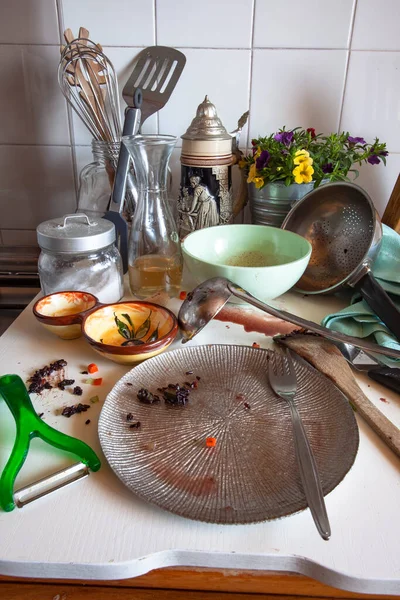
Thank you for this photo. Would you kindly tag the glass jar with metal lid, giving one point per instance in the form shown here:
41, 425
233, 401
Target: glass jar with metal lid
80, 254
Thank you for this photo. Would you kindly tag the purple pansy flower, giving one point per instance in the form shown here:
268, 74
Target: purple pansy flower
328, 168
384, 153
373, 159
356, 140
285, 137
262, 160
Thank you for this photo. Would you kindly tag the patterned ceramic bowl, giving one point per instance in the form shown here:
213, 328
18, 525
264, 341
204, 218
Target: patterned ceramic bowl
129, 332
62, 313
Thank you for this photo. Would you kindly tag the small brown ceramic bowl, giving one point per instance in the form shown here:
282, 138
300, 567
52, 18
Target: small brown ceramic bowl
129, 332
62, 313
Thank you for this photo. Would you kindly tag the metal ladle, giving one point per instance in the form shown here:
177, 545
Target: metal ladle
207, 299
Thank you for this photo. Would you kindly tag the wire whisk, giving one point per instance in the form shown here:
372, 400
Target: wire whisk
88, 81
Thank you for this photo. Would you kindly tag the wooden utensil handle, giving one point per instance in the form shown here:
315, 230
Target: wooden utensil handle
391, 216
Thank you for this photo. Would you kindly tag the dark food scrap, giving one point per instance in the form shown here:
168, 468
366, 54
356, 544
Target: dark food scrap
63, 384
177, 397
68, 411
38, 382
77, 391
134, 425
147, 397
129, 417
246, 405
40, 415
84, 372
87, 422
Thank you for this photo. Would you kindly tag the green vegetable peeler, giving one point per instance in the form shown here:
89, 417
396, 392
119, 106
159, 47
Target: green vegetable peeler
29, 426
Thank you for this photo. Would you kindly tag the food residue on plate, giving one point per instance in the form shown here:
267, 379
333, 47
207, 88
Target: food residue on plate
384, 400
211, 442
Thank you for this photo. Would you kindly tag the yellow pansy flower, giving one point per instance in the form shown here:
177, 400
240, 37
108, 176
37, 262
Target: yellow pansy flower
258, 182
242, 163
252, 173
303, 173
302, 156
257, 154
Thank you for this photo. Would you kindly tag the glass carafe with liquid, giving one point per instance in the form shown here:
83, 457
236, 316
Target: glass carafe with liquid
154, 256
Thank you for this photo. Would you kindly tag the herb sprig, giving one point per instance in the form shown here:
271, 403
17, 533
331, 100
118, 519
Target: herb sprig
132, 337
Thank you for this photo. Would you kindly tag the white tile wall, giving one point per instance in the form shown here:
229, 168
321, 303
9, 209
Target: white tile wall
324, 64
377, 25
296, 88
326, 24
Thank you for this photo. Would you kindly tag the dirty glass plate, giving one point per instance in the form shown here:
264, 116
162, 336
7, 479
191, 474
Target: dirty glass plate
251, 474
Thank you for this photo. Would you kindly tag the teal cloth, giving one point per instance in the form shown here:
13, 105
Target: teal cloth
358, 319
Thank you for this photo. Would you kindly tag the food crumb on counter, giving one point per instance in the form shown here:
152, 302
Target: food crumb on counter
384, 400
129, 417
246, 405
40, 415
94, 399
84, 373
134, 425
211, 442
75, 409
87, 421
255, 345
128, 383
92, 368
77, 391
39, 380
98, 381
64, 383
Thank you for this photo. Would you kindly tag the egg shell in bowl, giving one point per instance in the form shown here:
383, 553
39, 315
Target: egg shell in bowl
261, 259
62, 312
146, 320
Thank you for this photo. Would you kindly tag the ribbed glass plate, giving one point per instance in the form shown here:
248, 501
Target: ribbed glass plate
251, 474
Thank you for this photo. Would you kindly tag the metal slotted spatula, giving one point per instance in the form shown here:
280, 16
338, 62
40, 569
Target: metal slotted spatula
152, 81
156, 73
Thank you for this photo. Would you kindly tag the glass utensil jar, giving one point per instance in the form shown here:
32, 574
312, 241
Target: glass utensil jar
154, 255
80, 254
96, 181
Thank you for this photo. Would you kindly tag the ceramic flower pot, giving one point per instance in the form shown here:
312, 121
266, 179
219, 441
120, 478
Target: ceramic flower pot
271, 204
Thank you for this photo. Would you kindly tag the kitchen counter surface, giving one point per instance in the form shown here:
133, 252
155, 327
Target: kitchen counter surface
96, 529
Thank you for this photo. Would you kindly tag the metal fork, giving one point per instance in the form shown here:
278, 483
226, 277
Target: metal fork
282, 379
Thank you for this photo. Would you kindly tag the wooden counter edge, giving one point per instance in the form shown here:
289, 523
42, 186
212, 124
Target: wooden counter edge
201, 583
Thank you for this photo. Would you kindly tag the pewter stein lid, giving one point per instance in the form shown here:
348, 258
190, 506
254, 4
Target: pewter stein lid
206, 143
206, 125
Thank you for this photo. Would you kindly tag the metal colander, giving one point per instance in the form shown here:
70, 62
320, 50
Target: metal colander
340, 222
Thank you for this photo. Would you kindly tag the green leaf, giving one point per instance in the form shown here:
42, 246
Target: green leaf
132, 343
123, 329
127, 317
144, 328
154, 336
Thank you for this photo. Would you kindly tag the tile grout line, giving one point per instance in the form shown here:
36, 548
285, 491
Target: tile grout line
251, 70
61, 25
346, 69
272, 48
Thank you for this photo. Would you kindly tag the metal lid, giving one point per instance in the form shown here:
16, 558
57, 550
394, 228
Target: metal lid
75, 233
206, 125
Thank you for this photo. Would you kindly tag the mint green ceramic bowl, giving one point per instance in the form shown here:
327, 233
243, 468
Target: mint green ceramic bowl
265, 261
